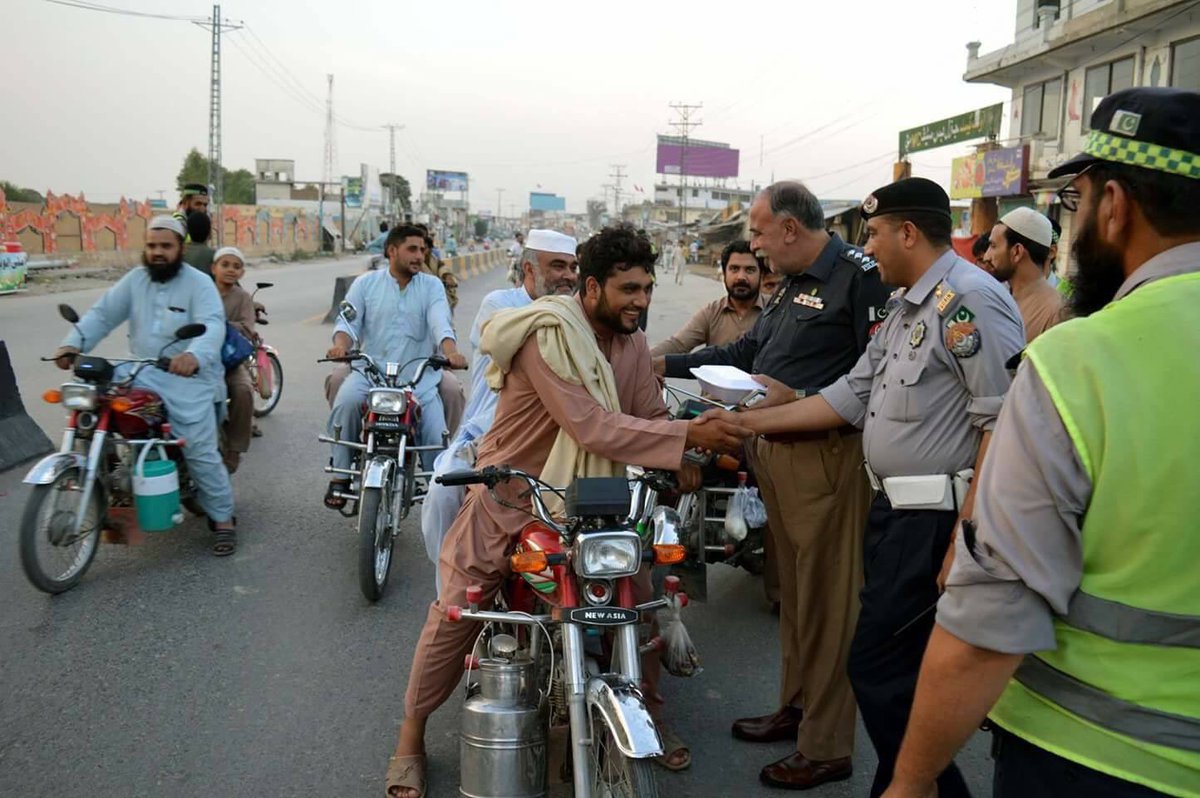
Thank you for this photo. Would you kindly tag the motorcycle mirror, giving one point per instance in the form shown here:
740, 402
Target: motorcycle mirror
190, 331
264, 285
68, 313
347, 311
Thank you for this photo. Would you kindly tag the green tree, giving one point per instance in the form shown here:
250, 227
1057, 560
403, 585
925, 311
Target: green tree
403, 192
15, 193
595, 213
481, 227
238, 186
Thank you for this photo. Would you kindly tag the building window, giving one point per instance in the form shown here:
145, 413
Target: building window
1101, 81
1041, 106
1185, 65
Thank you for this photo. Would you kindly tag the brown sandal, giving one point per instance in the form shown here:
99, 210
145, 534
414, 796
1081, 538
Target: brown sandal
672, 745
406, 772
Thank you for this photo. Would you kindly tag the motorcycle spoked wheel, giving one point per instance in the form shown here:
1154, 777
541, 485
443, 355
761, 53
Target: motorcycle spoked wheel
615, 775
47, 525
375, 541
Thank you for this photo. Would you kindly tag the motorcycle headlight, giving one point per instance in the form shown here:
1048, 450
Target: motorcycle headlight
78, 397
608, 555
387, 401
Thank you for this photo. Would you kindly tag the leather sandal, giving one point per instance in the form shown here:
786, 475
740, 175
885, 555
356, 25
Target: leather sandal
406, 773
672, 746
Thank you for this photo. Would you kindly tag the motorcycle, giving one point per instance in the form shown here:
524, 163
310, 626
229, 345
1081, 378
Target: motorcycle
84, 487
702, 514
549, 666
385, 468
266, 372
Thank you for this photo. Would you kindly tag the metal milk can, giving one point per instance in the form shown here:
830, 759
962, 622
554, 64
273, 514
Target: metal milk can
502, 748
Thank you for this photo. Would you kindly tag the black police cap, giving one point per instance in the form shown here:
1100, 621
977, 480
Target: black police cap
1150, 128
195, 188
910, 195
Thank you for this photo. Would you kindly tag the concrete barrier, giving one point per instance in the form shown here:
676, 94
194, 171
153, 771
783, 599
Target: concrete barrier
340, 286
21, 439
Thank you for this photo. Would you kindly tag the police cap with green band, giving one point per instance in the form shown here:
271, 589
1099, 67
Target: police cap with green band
192, 189
1144, 127
910, 195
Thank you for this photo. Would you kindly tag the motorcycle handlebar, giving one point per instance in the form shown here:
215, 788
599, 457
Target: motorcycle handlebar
490, 476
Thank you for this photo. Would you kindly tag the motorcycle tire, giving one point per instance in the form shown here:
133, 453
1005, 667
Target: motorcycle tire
637, 778
374, 543
31, 531
263, 407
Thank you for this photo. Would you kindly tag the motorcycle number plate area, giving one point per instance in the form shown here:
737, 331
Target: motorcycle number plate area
602, 616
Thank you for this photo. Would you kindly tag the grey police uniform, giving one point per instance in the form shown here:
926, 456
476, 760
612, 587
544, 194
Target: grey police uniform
929, 385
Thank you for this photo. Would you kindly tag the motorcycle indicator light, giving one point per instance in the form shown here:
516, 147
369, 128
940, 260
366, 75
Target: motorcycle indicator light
121, 404
669, 553
53, 396
529, 562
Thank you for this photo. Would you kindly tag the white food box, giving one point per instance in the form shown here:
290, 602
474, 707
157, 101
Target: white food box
728, 384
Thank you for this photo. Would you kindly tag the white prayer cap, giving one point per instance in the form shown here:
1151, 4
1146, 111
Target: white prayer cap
234, 251
551, 241
167, 222
1029, 223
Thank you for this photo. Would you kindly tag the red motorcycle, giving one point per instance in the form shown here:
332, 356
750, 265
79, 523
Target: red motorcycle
82, 489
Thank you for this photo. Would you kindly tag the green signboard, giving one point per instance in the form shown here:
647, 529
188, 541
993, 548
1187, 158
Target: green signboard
983, 123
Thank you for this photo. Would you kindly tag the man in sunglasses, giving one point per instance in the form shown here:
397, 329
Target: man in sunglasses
1069, 616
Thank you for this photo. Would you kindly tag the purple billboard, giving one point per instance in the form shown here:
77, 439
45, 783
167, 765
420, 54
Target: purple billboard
702, 159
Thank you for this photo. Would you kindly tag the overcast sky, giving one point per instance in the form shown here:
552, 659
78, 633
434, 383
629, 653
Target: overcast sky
518, 94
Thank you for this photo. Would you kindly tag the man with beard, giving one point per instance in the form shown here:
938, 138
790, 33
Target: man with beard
1071, 612
550, 425
814, 329
550, 267
157, 298
1020, 245
727, 319
402, 317
927, 391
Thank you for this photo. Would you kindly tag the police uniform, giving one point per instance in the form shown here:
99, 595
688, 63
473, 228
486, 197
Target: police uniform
1086, 542
812, 331
929, 385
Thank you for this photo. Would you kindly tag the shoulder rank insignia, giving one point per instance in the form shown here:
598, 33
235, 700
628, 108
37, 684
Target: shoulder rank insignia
945, 295
856, 255
962, 336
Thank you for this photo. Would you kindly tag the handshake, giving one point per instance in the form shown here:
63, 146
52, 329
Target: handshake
724, 430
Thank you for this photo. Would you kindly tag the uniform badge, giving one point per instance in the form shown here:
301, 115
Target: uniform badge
944, 297
808, 301
962, 336
870, 204
918, 335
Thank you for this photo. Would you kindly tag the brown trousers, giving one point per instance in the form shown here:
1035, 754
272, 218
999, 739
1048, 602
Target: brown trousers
817, 497
454, 400
241, 409
770, 569
475, 552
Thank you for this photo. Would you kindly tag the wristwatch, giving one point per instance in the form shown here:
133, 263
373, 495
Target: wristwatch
800, 393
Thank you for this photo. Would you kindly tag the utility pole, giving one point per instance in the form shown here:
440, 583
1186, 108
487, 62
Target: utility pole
617, 177
330, 157
684, 124
215, 181
391, 128
499, 207
606, 187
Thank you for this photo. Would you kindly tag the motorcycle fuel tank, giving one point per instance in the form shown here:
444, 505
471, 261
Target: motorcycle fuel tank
146, 413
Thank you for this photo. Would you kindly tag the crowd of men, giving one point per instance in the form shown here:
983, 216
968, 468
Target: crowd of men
1016, 547
1007, 547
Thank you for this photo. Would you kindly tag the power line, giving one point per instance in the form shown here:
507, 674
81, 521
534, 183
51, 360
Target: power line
86, 6
617, 177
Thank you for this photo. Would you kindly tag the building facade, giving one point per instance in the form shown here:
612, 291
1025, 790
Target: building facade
1065, 57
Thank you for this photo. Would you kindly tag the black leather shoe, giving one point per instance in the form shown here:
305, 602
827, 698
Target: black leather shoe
781, 725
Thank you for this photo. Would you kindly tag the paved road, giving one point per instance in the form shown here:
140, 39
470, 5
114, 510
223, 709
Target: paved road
168, 672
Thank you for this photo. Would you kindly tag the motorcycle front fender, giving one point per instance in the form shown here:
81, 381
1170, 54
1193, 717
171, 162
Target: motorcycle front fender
619, 703
378, 472
52, 466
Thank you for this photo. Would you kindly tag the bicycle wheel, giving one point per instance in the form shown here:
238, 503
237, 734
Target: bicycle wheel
273, 379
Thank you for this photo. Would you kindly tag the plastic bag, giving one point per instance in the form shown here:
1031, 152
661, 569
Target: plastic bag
679, 656
753, 509
735, 515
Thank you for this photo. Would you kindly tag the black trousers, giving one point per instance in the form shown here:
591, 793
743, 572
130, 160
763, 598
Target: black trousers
1023, 770
902, 555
